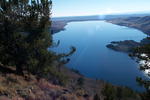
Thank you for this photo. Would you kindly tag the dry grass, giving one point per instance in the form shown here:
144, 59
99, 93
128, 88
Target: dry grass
29, 87
13, 86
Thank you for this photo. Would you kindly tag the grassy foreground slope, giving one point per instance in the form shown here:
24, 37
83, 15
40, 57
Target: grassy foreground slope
76, 87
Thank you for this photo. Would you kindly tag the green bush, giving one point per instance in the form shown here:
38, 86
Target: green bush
80, 81
96, 97
56, 75
113, 93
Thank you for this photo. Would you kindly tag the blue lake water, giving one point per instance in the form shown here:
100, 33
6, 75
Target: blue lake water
93, 59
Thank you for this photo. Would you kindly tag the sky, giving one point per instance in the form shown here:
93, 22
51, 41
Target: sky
98, 7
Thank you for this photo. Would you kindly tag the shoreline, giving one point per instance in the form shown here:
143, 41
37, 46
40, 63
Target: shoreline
68, 22
58, 26
140, 23
123, 46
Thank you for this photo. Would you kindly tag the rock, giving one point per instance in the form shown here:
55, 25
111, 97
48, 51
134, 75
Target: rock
145, 41
4, 98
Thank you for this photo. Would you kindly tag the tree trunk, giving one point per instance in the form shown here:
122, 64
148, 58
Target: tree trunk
19, 69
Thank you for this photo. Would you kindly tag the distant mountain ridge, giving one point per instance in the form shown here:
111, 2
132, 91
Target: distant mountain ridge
97, 17
76, 18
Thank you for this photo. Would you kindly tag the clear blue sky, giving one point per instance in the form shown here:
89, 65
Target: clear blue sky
95, 7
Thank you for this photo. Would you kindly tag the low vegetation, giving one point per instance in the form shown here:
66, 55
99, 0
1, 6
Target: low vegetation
118, 93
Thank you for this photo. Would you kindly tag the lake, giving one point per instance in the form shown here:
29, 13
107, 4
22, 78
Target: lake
93, 59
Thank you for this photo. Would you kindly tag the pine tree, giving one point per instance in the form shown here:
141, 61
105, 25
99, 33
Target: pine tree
25, 34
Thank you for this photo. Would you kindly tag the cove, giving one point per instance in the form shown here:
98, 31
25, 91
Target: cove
93, 59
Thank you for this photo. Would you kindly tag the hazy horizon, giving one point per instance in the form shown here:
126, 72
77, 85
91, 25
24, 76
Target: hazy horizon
127, 13
98, 7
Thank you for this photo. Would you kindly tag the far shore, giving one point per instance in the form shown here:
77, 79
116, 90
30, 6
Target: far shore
140, 23
133, 22
58, 26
